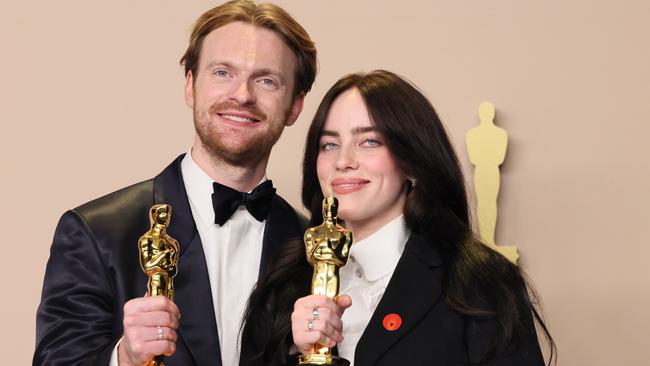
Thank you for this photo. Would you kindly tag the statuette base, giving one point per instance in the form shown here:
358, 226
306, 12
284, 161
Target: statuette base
320, 359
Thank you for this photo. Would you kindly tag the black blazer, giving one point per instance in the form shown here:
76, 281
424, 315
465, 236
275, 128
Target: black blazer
94, 269
431, 332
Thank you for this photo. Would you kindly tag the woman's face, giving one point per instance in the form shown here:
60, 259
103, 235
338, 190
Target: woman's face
356, 167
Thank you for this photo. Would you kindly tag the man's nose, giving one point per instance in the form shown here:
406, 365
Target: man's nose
242, 92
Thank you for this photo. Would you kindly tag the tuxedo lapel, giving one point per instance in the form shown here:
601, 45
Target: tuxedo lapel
413, 290
169, 188
282, 225
197, 327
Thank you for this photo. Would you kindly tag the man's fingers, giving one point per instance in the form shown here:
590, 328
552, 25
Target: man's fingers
152, 303
160, 318
142, 343
160, 334
150, 312
150, 319
150, 325
155, 348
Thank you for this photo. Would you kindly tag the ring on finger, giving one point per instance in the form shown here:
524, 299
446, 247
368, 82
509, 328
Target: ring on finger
310, 324
160, 332
314, 313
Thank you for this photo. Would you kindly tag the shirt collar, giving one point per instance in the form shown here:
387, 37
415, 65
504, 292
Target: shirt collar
378, 254
199, 190
198, 186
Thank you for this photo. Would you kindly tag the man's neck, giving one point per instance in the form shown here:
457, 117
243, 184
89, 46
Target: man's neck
243, 178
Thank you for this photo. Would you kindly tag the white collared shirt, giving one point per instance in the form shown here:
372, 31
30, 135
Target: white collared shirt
232, 254
365, 277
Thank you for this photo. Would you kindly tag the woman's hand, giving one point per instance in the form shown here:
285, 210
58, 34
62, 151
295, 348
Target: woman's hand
316, 320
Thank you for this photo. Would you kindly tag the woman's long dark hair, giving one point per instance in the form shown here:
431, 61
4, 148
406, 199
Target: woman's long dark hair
478, 282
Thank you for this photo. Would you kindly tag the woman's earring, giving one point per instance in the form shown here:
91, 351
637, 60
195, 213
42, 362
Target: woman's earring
413, 181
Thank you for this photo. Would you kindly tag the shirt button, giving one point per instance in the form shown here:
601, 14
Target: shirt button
359, 272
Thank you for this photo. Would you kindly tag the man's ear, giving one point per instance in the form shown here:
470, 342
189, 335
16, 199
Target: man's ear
189, 90
295, 110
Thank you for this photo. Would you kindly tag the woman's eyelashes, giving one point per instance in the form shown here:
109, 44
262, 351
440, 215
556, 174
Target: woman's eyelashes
364, 141
371, 142
328, 146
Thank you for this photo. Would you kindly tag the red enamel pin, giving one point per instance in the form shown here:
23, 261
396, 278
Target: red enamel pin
392, 322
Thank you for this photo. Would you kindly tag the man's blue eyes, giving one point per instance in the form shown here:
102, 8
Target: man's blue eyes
265, 82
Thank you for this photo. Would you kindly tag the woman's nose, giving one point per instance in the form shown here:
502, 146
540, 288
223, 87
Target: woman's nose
347, 159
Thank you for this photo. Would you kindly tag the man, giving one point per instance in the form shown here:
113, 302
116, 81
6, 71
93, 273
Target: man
248, 68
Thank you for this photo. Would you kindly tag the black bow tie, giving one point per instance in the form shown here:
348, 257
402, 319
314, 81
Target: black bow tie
225, 201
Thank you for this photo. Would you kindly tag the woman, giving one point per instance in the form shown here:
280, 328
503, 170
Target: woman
418, 287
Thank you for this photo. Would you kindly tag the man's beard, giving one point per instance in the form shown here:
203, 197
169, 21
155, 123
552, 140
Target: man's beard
252, 151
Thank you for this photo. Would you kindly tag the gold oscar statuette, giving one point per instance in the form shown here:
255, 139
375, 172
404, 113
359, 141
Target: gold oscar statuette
327, 246
159, 258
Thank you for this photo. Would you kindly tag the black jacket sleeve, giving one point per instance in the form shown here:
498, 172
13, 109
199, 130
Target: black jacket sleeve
74, 322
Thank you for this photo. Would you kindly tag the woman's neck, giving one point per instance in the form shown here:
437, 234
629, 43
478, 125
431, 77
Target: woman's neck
364, 228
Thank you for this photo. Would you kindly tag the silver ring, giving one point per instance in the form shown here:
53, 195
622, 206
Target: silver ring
160, 332
315, 314
310, 324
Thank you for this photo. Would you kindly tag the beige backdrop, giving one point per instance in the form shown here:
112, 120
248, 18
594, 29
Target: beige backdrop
87, 87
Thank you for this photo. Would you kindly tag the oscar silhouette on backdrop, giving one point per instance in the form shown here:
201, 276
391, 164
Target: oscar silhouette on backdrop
486, 146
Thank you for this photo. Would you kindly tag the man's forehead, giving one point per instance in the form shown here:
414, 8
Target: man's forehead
247, 43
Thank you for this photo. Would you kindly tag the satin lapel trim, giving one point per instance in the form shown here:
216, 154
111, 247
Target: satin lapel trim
282, 225
169, 188
414, 289
198, 327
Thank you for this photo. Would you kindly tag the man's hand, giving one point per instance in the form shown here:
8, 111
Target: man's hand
150, 325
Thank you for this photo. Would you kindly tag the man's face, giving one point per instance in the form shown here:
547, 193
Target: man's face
242, 93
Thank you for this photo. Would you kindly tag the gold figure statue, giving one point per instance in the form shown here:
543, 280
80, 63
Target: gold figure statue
486, 146
159, 258
327, 247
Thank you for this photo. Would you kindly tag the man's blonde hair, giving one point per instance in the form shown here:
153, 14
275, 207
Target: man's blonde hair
268, 16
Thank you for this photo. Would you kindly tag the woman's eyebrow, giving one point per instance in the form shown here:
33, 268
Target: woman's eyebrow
360, 130
329, 133
355, 131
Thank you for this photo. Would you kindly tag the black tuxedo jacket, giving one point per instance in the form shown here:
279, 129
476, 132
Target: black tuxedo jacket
94, 269
431, 332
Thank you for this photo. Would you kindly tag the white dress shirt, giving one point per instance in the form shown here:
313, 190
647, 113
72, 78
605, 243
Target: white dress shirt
364, 278
232, 254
